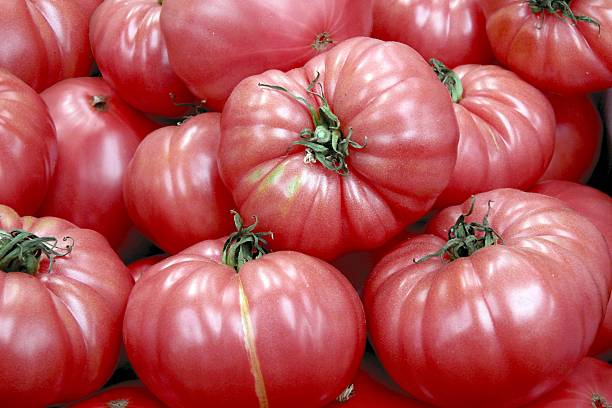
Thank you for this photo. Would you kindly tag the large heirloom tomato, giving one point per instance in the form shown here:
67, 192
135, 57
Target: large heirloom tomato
506, 131
97, 135
61, 320
281, 330
131, 53
503, 314
28, 147
380, 102
44, 41
214, 44
452, 31
177, 165
558, 46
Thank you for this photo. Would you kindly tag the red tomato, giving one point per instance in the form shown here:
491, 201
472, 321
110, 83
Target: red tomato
89, 6
213, 45
451, 31
551, 50
286, 330
384, 97
577, 139
122, 396
597, 208
589, 386
506, 131
97, 135
60, 325
137, 268
28, 147
44, 41
178, 166
501, 324
132, 56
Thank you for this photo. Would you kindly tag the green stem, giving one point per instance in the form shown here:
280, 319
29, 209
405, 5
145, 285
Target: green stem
20, 251
244, 245
449, 78
559, 6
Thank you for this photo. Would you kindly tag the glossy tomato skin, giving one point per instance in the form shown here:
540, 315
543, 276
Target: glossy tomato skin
454, 32
577, 139
553, 53
95, 145
591, 378
44, 41
178, 166
383, 91
213, 45
89, 6
140, 266
62, 331
28, 145
288, 329
517, 317
596, 206
132, 56
506, 133
122, 396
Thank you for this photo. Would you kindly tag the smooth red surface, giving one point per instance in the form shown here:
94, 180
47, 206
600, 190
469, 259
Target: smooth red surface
502, 326
131, 53
214, 44
185, 337
94, 149
591, 378
89, 6
506, 133
44, 41
381, 90
28, 146
122, 396
61, 330
137, 268
172, 189
577, 139
450, 31
553, 53
596, 206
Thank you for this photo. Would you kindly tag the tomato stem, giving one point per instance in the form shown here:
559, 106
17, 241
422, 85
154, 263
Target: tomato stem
120, 403
322, 41
244, 245
20, 251
194, 109
326, 143
559, 6
598, 401
347, 394
449, 78
99, 103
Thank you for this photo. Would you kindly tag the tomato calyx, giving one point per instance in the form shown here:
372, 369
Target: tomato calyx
347, 394
20, 251
466, 238
322, 41
193, 109
598, 401
99, 103
120, 403
559, 6
326, 143
449, 79
244, 245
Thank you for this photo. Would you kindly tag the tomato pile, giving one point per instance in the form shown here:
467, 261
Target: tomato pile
291, 203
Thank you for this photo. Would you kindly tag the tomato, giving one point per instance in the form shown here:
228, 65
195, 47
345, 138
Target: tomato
577, 139
549, 48
506, 131
122, 396
178, 166
597, 208
588, 386
137, 268
89, 6
60, 322
97, 135
213, 45
131, 53
451, 31
396, 147
286, 329
28, 145
502, 323
44, 41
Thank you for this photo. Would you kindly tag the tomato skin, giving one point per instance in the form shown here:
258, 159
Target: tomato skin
505, 312
132, 56
28, 145
137, 268
122, 396
178, 166
360, 78
45, 41
204, 362
64, 331
544, 49
453, 32
506, 133
213, 45
89, 6
94, 149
